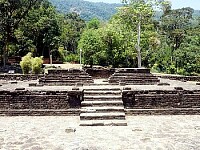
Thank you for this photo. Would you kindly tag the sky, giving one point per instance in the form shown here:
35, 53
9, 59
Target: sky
195, 4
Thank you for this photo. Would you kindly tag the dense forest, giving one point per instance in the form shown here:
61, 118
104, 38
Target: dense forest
167, 42
86, 10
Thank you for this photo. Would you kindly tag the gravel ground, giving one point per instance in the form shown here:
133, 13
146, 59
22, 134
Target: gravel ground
142, 133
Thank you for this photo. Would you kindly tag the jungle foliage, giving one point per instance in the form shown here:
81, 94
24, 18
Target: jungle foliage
168, 42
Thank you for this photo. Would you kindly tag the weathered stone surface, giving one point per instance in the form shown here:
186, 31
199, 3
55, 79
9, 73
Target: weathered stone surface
181, 78
66, 77
142, 133
133, 76
32, 84
43, 101
19, 77
163, 84
178, 88
70, 130
19, 89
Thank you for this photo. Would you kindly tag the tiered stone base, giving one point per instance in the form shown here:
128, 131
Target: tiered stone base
65, 77
133, 76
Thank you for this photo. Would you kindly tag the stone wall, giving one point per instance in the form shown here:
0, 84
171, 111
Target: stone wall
22, 102
161, 99
20, 77
40, 100
181, 78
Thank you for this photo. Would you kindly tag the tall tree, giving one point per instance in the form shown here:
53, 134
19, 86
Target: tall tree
136, 14
72, 28
174, 24
41, 26
12, 12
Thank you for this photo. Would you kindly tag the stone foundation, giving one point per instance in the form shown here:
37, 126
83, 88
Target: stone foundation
39, 102
157, 102
181, 78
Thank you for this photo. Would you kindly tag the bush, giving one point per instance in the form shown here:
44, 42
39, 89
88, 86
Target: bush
171, 69
72, 58
26, 63
37, 65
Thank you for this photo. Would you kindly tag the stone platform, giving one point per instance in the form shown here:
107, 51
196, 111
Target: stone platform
133, 76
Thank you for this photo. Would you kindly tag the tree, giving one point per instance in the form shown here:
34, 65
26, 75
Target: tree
135, 14
12, 12
174, 24
41, 26
72, 28
92, 45
93, 24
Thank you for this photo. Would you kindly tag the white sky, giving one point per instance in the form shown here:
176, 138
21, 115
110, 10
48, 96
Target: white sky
175, 3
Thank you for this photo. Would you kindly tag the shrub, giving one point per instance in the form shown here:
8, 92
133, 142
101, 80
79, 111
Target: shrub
26, 63
37, 65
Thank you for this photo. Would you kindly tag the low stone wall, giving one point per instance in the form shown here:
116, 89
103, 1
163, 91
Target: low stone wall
181, 78
45, 101
20, 77
157, 102
161, 99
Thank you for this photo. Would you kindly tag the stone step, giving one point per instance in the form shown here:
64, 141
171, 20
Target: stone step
103, 89
133, 80
132, 77
102, 109
103, 123
101, 103
132, 74
164, 111
105, 93
66, 81
39, 112
103, 98
102, 116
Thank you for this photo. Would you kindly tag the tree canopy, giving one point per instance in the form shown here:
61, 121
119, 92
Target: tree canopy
135, 36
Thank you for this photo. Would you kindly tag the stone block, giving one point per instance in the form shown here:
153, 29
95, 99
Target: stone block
70, 130
122, 83
32, 84
127, 88
178, 88
163, 84
13, 82
79, 84
19, 89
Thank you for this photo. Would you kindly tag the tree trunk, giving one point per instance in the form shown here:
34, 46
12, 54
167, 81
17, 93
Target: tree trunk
5, 53
138, 45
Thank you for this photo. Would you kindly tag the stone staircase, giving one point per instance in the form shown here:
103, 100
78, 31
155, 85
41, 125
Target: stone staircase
102, 107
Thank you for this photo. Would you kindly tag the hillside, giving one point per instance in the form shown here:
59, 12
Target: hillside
87, 10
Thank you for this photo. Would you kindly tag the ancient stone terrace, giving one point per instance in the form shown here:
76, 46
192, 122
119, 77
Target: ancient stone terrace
66, 77
100, 103
133, 76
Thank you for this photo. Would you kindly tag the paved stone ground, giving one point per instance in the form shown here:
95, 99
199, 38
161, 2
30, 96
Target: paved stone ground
6, 85
142, 133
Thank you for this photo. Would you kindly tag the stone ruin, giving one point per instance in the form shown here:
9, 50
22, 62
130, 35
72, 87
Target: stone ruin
128, 91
